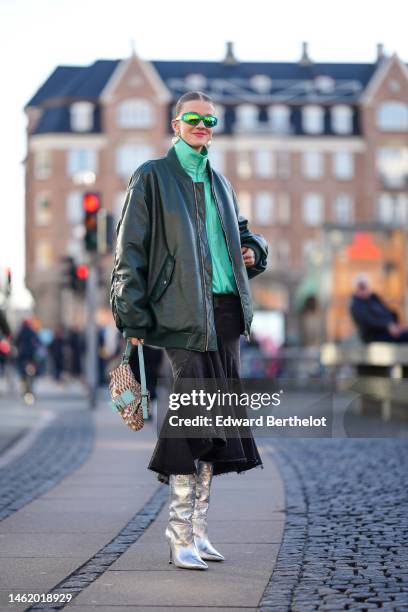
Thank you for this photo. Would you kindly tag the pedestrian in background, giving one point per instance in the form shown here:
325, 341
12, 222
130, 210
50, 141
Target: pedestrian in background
183, 259
375, 321
29, 357
56, 351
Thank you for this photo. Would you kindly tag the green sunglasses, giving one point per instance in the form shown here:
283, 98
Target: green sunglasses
194, 119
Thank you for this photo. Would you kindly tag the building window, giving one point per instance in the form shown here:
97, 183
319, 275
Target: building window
312, 119
81, 114
261, 83
42, 164
342, 119
129, 157
264, 163
392, 165
246, 117
196, 81
135, 114
279, 119
42, 209
313, 209
43, 254
244, 169
393, 208
343, 209
324, 84
283, 208
343, 165
312, 164
245, 205
283, 165
217, 159
74, 211
81, 160
264, 208
392, 116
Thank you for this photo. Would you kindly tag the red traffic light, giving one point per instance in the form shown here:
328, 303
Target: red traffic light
82, 272
91, 202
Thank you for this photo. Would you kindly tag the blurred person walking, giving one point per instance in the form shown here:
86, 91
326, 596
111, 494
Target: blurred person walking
183, 260
5, 334
57, 352
29, 347
76, 347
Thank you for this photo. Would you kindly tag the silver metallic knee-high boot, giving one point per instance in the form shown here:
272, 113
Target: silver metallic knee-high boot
179, 531
204, 546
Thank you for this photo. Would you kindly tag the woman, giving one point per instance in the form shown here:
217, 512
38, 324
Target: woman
183, 259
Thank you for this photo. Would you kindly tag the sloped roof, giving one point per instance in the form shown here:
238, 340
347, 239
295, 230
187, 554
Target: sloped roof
81, 82
289, 81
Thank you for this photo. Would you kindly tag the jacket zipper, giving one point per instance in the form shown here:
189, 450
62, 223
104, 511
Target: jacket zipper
229, 252
202, 270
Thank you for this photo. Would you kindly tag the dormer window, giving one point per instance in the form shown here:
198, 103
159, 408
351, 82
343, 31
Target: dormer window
135, 113
196, 82
279, 118
247, 117
312, 119
342, 119
82, 116
261, 83
324, 84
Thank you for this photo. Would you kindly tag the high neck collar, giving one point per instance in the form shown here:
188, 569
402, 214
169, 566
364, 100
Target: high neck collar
193, 162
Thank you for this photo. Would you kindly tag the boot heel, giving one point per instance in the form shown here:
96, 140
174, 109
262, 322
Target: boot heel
170, 557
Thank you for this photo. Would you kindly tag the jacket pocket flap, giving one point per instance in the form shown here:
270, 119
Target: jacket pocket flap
163, 279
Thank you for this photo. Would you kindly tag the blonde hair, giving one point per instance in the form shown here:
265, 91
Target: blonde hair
191, 95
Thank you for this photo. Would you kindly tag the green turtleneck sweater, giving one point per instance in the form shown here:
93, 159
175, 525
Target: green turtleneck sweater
195, 164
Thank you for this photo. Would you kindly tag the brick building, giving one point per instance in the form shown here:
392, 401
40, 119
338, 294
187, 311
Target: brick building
304, 143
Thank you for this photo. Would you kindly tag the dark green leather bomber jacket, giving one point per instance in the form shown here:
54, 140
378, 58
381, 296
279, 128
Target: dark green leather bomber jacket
161, 283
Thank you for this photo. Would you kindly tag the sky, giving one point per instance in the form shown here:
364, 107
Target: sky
38, 35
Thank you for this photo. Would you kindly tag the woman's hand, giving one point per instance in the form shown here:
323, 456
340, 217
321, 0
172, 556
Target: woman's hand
136, 341
248, 256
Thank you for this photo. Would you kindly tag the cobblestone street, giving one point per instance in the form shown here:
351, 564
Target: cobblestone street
345, 544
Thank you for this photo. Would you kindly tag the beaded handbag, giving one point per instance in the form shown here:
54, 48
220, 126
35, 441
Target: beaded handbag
130, 398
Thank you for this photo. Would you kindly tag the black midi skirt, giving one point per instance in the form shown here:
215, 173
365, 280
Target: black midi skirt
230, 449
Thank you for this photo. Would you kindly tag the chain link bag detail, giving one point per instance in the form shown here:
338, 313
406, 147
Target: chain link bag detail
130, 398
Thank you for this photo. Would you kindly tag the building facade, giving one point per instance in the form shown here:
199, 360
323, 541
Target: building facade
303, 143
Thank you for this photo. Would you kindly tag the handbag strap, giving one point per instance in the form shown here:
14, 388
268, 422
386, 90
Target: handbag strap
125, 359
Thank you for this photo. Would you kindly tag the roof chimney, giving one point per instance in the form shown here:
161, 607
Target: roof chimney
380, 52
229, 54
305, 59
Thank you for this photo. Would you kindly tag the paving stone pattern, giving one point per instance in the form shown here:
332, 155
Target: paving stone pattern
99, 563
345, 545
59, 449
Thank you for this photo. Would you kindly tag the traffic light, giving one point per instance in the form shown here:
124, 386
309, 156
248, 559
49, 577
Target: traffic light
68, 274
91, 204
74, 275
81, 275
